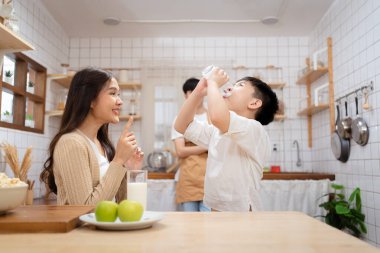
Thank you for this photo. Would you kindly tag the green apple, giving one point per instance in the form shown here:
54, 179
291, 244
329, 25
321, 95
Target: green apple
130, 210
106, 211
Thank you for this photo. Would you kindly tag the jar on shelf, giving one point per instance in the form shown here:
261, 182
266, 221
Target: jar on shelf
65, 68
61, 101
132, 106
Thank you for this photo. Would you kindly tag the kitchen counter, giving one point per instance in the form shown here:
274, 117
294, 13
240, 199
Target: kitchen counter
199, 232
267, 176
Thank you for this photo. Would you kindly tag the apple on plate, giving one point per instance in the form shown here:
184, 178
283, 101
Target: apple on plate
106, 211
130, 210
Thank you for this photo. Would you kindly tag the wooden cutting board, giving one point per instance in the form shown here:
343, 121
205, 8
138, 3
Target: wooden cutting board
44, 218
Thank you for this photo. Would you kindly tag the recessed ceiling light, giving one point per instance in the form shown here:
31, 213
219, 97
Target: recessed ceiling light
270, 20
111, 21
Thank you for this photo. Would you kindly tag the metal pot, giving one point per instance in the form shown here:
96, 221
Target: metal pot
360, 130
340, 146
344, 125
160, 160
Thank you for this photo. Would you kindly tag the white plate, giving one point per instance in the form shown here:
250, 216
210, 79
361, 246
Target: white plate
148, 219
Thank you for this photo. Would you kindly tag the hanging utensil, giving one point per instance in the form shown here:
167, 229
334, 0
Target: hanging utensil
360, 130
344, 125
340, 146
366, 106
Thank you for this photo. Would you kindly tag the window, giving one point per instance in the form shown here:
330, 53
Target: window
23, 89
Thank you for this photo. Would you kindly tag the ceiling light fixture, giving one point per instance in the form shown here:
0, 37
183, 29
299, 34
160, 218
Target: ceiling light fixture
111, 21
270, 20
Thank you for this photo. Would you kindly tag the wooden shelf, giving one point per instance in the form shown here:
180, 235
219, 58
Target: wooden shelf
312, 75
277, 85
54, 113
130, 86
297, 176
160, 175
313, 110
65, 81
61, 79
279, 117
126, 117
58, 113
10, 42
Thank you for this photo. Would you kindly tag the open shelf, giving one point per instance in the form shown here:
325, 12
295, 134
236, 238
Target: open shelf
126, 117
277, 85
130, 86
59, 113
279, 117
61, 79
54, 113
10, 42
312, 75
313, 109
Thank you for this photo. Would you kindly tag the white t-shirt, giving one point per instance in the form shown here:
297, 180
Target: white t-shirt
175, 135
102, 160
235, 162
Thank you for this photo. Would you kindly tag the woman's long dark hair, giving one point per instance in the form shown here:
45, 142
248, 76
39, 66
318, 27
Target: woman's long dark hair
85, 88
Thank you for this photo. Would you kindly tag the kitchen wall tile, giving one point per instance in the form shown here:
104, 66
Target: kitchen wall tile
116, 42
105, 42
116, 52
105, 52
94, 43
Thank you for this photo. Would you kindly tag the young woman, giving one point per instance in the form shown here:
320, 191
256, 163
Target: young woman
83, 166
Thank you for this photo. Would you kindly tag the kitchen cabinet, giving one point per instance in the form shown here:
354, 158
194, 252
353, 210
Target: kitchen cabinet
311, 75
65, 80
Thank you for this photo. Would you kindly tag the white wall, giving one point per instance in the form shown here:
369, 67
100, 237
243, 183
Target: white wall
52, 48
286, 52
355, 29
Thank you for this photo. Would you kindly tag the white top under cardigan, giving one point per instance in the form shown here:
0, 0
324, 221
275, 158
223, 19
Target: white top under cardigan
235, 162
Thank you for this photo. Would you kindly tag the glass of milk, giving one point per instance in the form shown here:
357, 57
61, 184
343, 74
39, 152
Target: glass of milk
137, 186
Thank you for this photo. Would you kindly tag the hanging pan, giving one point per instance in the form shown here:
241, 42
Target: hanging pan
340, 146
344, 125
359, 128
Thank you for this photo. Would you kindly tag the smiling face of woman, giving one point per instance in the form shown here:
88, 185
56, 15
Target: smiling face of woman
107, 106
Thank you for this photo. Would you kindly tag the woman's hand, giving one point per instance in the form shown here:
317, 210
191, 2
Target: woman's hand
127, 144
136, 161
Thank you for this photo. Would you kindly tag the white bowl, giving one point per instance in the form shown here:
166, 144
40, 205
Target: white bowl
12, 197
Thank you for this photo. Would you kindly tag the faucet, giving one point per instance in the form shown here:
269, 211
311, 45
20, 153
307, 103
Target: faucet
295, 143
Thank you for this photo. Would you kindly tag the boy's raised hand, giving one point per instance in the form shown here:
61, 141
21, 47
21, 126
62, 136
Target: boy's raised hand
202, 86
218, 76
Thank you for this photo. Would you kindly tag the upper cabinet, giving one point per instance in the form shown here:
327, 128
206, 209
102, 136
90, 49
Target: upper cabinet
313, 71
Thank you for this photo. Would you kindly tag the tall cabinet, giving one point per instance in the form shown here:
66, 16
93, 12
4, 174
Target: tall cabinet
311, 75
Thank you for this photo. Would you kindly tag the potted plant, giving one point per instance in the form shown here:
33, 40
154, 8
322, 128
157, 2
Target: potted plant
8, 77
7, 117
30, 87
345, 214
29, 121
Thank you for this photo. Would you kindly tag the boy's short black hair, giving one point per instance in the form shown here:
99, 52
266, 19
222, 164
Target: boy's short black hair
265, 114
190, 84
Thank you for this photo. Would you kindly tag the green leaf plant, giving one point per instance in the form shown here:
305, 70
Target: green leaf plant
343, 214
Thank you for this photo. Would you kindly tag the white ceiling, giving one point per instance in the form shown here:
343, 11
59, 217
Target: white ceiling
84, 18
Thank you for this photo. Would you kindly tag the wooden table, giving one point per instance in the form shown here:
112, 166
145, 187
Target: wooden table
277, 232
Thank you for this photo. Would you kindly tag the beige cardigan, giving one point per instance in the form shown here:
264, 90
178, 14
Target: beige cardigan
76, 171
